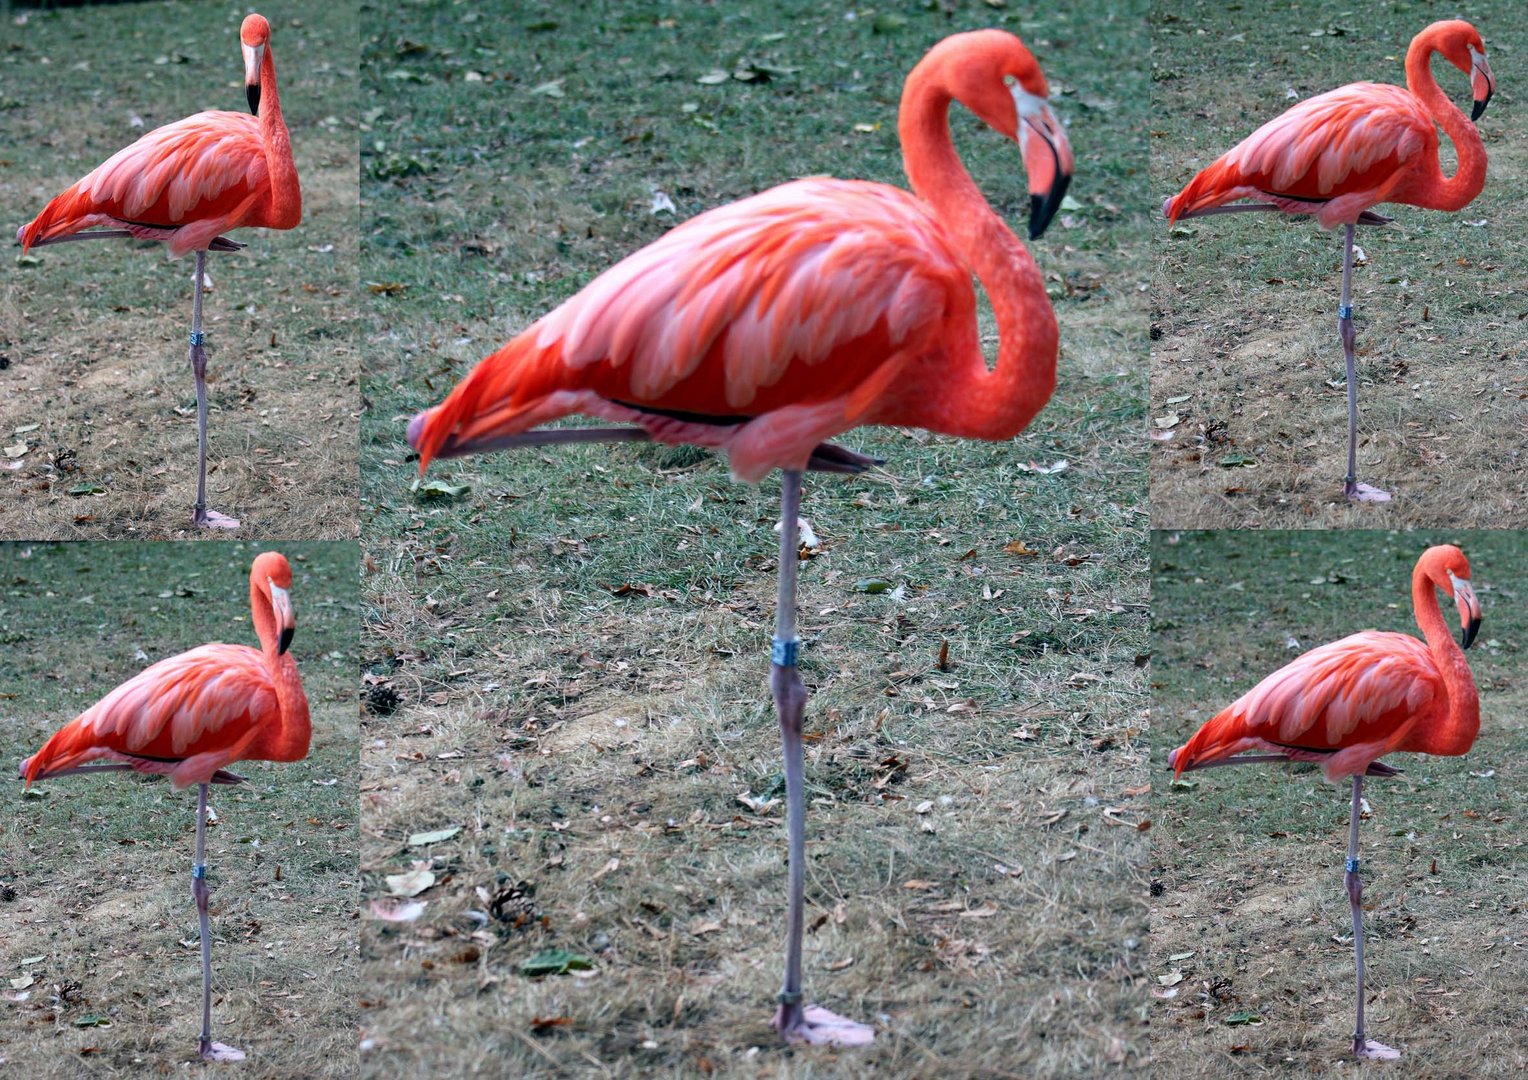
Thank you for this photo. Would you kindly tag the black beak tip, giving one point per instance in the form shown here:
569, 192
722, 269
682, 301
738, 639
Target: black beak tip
253, 94
1042, 208
285, 641
1037, 223
1480, 107
1467, 635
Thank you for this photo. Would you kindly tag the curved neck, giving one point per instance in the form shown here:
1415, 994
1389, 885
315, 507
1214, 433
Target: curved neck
1458, 191
1458, 729
286, 194
290, 741
994, 404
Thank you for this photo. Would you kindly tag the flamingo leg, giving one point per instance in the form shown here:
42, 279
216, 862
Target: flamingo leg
206, 519
827, 457
1350, 485
218, 243
211, 1051
795, 1022
1362, 1047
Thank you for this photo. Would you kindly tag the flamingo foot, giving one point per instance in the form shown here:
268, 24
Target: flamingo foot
211, 519
216, 1051
1364, 493
819, 1027
1369, 1050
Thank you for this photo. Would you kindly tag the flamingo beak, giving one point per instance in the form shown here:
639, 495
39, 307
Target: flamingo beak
253, 54
1482, 85
1047, 158
1469, 611
286, 618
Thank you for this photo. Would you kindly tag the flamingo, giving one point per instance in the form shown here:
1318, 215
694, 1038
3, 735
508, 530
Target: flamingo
185, 184
1346, 704
189, 716
765, 327
1338, 154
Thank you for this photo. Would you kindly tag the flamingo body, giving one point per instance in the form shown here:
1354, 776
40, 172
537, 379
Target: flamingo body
185, 717
190, 715
762, 327
193, 180
1339, 153
1352, 701
766, 326
187, 182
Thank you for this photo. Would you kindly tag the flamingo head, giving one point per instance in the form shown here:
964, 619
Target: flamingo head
1451, 573
270, 579
993, 74
255, 36
1461, 45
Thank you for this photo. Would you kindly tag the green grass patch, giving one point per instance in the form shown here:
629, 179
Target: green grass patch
579, 641
1249, 905
95, 870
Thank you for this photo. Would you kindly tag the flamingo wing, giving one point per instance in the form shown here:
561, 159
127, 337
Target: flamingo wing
208, 169
796, 296
1355, 140
204, 704
1362, 693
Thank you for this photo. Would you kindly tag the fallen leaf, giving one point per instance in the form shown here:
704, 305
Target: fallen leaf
410, 884
438, 489
421, 839
555, 962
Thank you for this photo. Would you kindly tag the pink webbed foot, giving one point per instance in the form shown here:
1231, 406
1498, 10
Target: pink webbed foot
1369, 1050
216, 1051
820, 1027
1364, 493
211, 519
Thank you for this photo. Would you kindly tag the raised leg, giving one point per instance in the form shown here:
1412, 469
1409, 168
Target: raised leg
827, 457
212, 1051
1350, 485
206, 519
1362, 1047
795, 1022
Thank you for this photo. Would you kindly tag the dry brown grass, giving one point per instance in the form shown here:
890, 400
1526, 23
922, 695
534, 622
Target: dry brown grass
95, 883
1250, 910
94, 334
1245, 346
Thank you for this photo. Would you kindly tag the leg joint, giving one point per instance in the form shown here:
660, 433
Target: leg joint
783, 651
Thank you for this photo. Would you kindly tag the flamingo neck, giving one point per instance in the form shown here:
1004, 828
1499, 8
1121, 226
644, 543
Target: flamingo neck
289, 740
286, 193
976, 402
1457, 731
1458, 191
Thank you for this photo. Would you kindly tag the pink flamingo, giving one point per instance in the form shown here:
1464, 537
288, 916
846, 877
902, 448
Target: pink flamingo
768, 326
1346, 704
189, 716
185, 184
1342, 152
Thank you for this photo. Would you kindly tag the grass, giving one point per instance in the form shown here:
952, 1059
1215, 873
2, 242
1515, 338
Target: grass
95, 384
1249, 907
95, 871
1245, 348
596, 742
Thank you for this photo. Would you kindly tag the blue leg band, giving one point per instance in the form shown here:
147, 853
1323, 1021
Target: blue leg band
783, 653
